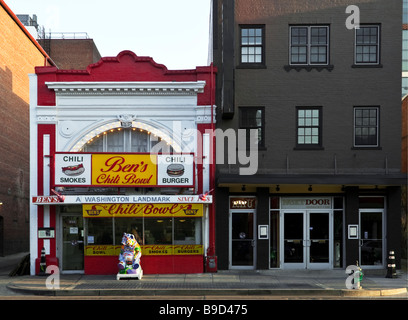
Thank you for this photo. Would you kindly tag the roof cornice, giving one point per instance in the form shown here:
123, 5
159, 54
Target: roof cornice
126, 88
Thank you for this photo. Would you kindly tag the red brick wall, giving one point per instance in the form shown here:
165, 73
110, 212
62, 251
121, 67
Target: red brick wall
18, 56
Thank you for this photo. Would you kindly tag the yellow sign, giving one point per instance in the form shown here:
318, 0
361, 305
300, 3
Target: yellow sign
119, 169
142, 210
102, 250
147, 250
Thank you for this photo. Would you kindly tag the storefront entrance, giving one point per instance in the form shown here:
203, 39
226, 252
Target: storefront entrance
307, 239
371, 237
72, 243
242, 240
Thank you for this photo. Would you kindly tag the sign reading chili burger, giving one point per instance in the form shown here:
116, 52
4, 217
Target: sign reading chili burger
124, 170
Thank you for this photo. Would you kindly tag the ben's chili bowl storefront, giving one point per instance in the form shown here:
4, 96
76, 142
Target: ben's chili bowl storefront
170, 230
122, 147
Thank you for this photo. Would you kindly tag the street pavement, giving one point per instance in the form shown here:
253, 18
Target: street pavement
231, 284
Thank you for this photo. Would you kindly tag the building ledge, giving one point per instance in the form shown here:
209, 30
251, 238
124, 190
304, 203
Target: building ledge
309, 68
396, 179
126, 88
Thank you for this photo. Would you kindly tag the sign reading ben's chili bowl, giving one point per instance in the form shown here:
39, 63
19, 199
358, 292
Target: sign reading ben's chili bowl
116, 169
142, 210
124, 170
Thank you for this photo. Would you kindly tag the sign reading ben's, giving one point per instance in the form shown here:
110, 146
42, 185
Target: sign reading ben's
131, 169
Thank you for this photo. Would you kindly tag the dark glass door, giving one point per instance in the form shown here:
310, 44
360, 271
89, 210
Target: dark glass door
294, 236
242, 239
72, 243
307, 240
371, 237
319, 238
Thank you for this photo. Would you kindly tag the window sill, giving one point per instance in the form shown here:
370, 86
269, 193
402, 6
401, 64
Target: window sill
309, 68
366, 148
308, 148
367, 65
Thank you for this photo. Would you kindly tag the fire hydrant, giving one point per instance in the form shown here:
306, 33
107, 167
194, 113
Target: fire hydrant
355, 276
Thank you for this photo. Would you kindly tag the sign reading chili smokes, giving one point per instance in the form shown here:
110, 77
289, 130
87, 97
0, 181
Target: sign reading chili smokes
131, 169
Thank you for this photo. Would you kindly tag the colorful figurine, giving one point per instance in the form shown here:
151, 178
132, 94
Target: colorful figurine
129, 258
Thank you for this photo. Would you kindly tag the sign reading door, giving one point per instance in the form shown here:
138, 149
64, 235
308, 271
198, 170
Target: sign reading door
307, 239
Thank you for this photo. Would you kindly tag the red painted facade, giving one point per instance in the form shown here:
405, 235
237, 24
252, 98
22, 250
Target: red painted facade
126, 67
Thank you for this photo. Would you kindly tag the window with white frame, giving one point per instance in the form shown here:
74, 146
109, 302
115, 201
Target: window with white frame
309, 127
366, 124
309, 45
367, 45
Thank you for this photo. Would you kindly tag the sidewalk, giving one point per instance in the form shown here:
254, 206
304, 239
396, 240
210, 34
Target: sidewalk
327, 283
273, 283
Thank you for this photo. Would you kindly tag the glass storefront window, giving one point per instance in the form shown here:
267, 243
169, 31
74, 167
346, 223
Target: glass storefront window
148, 231
129, 225
100, 231
158, 231
187, 231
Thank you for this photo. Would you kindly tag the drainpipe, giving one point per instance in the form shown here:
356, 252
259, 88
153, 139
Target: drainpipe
211, 263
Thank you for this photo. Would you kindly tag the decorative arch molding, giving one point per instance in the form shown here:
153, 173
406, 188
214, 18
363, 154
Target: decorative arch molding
125, 121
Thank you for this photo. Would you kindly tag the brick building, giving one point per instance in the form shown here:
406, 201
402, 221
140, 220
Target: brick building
70, 50
19, 55
324, 100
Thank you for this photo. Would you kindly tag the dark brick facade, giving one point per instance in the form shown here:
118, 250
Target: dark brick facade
337, 166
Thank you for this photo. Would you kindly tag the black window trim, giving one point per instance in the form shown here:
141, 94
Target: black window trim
252, 65
309, 67
368, 64
367, 147
262, 145
309, 26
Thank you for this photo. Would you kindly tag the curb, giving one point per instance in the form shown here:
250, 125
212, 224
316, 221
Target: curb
211, 292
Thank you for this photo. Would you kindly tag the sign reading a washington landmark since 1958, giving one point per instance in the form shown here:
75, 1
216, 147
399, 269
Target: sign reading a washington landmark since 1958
133, 170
